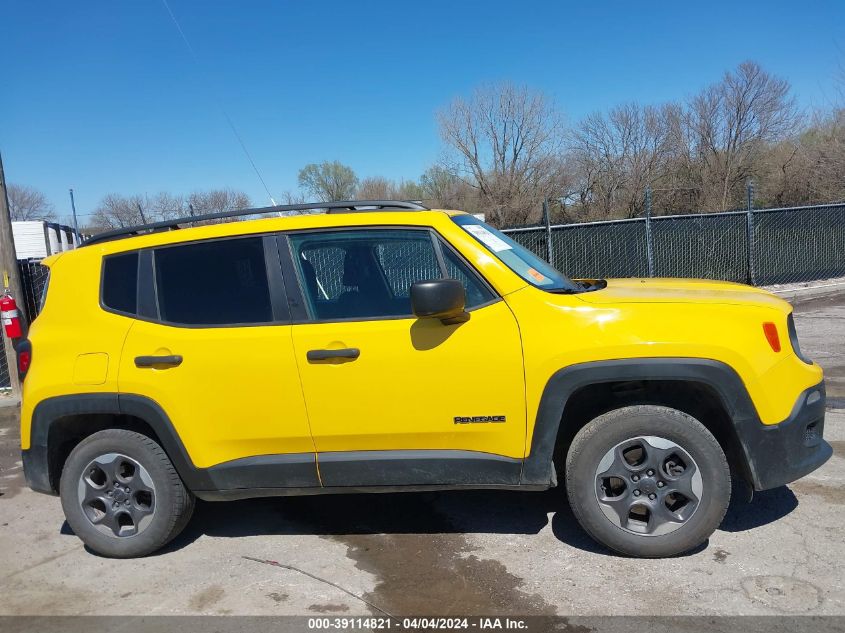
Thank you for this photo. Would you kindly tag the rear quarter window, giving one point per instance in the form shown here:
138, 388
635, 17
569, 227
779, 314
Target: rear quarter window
120, 283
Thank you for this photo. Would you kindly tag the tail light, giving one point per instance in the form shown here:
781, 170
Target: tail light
24, 351
772, 336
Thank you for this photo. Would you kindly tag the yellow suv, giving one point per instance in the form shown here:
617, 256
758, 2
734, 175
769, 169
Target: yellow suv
382, 346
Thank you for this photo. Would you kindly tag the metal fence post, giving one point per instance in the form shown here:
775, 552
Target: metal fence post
548, 221
648, 243
749, 221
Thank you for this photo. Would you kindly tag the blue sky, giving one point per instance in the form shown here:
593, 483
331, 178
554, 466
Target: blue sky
105, 96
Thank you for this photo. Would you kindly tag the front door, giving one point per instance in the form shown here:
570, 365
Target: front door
396, 400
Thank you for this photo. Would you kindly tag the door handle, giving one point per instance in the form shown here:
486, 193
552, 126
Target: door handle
327, 354
158, 361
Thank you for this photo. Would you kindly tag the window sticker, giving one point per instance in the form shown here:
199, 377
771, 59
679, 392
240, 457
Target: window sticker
540, 277
492, 242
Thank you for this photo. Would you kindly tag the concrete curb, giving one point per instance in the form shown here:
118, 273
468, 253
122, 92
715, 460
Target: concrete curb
811, 292
8, 401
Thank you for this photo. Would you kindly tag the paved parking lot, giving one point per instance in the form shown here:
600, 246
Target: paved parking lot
447, 553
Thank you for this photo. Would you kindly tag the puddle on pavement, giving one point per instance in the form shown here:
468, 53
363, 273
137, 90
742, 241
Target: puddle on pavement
423, 563
437, 573
831, 494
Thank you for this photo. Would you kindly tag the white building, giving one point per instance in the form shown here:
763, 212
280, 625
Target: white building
36, 239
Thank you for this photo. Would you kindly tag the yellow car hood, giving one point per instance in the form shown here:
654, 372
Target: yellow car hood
683, 291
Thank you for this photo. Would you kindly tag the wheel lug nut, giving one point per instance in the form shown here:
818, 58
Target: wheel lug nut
110, 493
635, 478
636, 493
652, 496
126, 489
660, 484
650, 473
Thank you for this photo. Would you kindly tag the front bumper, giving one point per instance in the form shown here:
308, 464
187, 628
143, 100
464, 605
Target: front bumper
777, 454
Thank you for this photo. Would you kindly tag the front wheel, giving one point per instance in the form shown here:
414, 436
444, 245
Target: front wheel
121, 494
647, 481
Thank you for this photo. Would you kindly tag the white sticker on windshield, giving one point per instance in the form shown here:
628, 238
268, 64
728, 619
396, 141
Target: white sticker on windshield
494, 243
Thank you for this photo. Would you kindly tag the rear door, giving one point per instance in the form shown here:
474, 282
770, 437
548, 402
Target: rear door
392, 399
213, 349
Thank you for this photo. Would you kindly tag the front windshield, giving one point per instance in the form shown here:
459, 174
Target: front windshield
516, 257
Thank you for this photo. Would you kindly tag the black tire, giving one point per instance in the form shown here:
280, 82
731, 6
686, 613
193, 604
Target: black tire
171, 504
598, 441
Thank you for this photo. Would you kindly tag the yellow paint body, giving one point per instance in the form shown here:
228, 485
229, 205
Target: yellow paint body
246, 391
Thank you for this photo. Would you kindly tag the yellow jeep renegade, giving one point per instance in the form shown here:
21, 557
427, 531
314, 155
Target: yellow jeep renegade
382, 346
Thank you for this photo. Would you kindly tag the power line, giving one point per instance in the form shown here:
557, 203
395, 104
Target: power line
219, 103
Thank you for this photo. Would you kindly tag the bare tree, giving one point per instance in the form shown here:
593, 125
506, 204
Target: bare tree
505, 141
165, 206
809, 168
407, 190
442, 188
730, 125
218, 201
328, 181
117, 211
27, 203
618, 155
380, 188
375, 188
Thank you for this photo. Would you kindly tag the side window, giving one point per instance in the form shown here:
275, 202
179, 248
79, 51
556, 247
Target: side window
363, 274
219, 282
406, 261
477, 292
120, 282
369, 273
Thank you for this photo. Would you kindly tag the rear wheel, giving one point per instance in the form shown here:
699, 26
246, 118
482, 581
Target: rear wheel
647, 481
121, 494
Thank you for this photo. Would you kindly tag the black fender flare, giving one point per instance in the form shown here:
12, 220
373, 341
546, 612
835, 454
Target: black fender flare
49, 411
721, 378
263, 471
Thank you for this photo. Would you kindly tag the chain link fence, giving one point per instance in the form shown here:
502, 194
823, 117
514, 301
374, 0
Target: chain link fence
761, 246
33, 278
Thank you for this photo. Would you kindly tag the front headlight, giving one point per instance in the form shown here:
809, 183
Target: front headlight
793, 339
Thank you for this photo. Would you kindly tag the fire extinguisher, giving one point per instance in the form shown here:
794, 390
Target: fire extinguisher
10, 316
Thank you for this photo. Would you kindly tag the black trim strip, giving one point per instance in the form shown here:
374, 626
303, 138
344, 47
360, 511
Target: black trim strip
416, 468
275, 280
147, 297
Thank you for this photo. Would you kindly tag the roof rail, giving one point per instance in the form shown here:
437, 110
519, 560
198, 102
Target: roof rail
343, 206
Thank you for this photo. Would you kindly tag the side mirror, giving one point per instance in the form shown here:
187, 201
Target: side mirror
442, 299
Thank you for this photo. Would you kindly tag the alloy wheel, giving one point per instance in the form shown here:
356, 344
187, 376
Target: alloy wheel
117, 495
648, 485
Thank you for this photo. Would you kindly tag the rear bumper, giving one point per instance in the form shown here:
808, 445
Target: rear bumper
780, 453
35, 469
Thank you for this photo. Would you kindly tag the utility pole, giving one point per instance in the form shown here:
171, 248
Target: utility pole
9, 265
749, 224
649, 244
75, 223
141, 211
550, 251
